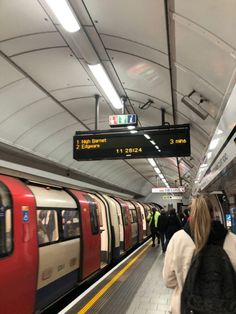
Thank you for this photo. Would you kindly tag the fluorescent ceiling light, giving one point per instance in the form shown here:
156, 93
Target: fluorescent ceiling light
161, 176
191, 104
65, 15
214, 143
158, 171
157, 147
153, 143
209, 155
147, 136
219, 132
152, 162
105, 83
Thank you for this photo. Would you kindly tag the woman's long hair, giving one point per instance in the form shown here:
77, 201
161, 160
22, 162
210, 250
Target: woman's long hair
200, 220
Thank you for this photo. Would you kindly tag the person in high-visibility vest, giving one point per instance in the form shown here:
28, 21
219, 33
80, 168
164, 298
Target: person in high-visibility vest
153, 223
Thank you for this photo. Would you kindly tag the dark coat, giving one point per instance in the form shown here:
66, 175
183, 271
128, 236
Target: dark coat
162, 222
173, 225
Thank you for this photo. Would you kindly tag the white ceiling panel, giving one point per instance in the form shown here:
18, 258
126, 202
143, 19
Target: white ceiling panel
53, 68
136, 49
27, 117
214, 15
138, 97
10, 73
84, 109
32, 42
75, 92
21, 18
62, 148
46, 128
16, 96
141, 75
142, 19
215, 65
53, 141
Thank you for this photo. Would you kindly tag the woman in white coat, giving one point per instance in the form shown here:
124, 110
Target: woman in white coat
181, 246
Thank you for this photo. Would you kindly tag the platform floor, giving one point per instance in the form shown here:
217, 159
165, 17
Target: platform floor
134, 287
152, 296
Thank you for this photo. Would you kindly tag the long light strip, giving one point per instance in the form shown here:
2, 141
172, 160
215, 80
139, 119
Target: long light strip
105, 83
147, 136
64, 14
152, 162
158, 171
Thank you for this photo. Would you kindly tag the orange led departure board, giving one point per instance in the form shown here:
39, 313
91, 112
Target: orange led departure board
151, 142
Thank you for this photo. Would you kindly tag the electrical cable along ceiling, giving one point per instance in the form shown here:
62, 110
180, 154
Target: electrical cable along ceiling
159, 54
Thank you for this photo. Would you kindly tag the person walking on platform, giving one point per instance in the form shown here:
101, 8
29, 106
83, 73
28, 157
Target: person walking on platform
173, 225
153, 223
201, 235
162, 226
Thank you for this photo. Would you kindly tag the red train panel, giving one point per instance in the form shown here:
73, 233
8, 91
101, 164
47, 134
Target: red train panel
18, 271
90, 229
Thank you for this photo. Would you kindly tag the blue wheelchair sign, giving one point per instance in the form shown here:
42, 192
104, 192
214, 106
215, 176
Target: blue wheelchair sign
25, 215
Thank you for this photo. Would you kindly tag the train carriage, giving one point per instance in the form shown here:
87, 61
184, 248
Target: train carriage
52, 239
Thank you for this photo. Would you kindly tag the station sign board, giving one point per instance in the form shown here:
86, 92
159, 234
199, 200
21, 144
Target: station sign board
153, 142
180, 189
170, 198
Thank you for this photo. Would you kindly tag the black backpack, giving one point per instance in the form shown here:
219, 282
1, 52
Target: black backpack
210, 285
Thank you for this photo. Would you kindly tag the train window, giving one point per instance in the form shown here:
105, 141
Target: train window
134, 215
70, 223
99, 210
6, 242
93, 217
124, 215
47, 226
131, 215
93, 213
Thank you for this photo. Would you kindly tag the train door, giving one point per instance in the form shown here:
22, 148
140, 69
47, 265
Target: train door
121, 225
147, 212
58, 228
139, 220
115, 227
18, 247
126, 218
104, 230
134, 222
143, 219
90, 234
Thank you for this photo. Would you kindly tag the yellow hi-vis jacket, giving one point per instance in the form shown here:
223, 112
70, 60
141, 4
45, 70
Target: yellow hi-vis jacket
149, 218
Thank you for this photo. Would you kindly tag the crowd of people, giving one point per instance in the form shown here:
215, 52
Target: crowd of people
200, 260
163, 224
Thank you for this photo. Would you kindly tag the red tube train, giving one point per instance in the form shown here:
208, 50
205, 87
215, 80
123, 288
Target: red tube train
52, 238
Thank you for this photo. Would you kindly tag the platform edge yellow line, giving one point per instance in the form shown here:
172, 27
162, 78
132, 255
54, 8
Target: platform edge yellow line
110, 283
